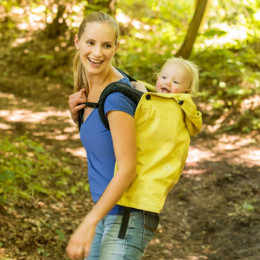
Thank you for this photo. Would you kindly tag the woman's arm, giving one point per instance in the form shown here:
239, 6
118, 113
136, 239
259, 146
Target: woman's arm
74, 100
122, 127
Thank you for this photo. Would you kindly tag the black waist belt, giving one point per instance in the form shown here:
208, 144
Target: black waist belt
124, 224
125, 220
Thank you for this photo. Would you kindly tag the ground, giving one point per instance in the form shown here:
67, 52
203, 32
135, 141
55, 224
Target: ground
212, 213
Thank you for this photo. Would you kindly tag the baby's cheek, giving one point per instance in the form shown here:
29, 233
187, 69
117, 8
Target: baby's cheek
157, 86
175, 90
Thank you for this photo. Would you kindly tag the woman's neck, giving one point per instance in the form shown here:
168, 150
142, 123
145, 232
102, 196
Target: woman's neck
100, 81
97, 83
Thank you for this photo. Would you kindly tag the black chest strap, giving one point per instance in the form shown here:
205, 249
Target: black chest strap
90, 104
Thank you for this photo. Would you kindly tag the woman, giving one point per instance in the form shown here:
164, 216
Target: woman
97, 235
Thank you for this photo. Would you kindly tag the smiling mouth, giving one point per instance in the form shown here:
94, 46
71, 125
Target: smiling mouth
95, 62
165, 90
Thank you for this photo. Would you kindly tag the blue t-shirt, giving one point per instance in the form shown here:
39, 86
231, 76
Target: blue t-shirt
97, 141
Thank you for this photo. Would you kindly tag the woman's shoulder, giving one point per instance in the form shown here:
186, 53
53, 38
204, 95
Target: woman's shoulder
118, 98
120, 102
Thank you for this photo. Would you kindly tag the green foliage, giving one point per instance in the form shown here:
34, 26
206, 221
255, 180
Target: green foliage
97, 5
230, 83
214, 32
135, 60
27, 169
226, 49
157, 11
46, 58
151, 35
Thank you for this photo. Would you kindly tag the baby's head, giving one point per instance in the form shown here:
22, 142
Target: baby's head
178, 76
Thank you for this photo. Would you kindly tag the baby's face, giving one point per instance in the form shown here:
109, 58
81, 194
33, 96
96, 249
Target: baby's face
173, 78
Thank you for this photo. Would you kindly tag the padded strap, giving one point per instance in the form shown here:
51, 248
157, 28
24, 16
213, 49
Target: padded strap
129, 91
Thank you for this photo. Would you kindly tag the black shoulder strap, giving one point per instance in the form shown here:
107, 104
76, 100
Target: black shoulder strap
129, 77
80, 118
129, 91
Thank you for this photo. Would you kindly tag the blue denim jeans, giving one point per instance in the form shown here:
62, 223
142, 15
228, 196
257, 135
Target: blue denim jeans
107, 246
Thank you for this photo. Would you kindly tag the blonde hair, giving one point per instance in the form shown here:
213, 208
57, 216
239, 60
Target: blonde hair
80, 78
191, 68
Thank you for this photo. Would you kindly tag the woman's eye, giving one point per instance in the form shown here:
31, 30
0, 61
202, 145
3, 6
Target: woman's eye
107, 46
90, 43
164, 77
175, 82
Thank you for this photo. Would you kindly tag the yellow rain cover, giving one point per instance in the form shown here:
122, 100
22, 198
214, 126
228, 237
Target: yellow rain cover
164, 123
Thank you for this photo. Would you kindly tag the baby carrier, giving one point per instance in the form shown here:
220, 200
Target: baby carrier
164, 124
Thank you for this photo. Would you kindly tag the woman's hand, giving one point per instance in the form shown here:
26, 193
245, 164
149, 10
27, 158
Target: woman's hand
74, 101
139, 86
81, 240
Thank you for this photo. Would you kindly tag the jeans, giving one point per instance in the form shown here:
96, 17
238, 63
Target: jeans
107, 246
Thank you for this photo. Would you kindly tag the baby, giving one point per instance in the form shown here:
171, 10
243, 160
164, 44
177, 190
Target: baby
176, 76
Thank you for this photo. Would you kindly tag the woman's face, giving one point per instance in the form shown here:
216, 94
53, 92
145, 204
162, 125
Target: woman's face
97, 46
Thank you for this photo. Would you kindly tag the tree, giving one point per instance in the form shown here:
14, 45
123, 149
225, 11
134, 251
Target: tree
193, 30
107, 6
58, 26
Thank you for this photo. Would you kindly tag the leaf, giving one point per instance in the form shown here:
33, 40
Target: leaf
23, 194
60, 234
67, 170
7, 175
214, 32
40, 189
45, 57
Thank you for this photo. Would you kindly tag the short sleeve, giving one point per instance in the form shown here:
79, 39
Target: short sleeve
118, 101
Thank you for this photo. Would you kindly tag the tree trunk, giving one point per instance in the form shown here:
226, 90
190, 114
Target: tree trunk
56, 28
107, 6
192, 33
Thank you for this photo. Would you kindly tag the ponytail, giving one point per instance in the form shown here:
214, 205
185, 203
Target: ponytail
80, 79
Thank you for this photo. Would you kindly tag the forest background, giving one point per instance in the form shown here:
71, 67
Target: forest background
213, 212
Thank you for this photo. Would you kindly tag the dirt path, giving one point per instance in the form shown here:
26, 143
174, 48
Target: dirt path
212, 213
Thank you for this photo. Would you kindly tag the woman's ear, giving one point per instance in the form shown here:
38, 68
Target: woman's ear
76, 41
